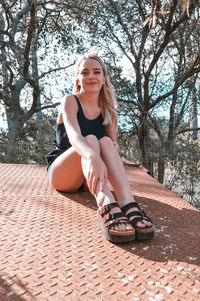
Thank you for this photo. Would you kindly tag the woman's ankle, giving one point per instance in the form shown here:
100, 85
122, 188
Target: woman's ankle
126, 201
103, 200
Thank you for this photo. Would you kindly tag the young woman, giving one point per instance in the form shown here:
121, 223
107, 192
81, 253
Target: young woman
87, 154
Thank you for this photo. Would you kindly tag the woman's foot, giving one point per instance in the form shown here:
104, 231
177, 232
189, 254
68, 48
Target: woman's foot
139, 220
141, 224
114, 224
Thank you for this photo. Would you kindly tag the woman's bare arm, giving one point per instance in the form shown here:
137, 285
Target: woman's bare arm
111, 132
96, 166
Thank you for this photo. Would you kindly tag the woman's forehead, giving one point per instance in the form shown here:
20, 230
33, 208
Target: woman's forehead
90, 64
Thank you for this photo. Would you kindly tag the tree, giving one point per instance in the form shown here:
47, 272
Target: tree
27, 27
144, 33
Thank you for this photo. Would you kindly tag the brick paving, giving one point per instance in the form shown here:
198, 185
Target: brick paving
52, 249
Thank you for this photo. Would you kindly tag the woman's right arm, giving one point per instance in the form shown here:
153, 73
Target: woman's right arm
69, 112
97, 169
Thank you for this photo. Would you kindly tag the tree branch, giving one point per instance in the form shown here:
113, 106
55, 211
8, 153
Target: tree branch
54, 70
188, 130
169, 30
31, 30
47, 107
191, 72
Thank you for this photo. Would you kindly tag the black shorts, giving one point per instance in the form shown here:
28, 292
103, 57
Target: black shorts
51, 157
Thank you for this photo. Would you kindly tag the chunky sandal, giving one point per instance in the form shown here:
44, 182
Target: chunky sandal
106, 219
140, 233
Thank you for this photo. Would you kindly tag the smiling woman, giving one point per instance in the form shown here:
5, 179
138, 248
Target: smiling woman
87, 154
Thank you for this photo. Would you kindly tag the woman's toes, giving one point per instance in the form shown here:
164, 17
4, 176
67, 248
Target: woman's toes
122, 227
147, 223
140, 224
129, 228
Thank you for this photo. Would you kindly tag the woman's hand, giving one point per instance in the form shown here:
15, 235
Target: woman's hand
97, 172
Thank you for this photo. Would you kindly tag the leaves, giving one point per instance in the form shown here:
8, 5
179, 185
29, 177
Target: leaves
185, 5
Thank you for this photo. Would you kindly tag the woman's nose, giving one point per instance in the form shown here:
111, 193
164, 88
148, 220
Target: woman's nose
91, 74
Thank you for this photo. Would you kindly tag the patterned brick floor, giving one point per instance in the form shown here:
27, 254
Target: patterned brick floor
52, 249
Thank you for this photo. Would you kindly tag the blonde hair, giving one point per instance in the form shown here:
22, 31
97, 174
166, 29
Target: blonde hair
106, 95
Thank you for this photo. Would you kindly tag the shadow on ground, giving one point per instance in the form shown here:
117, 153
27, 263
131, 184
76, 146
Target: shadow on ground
177, 235
9, 293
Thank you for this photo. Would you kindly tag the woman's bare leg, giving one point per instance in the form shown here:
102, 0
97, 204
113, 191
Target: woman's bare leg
102, 197
69, 171
117, 175
66, 171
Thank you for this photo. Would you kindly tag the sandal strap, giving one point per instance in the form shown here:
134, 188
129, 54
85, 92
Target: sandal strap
106, 208
116, 215
134, 221
129, 206
113, 218
116, 222
144, 216
134, 213
139, 215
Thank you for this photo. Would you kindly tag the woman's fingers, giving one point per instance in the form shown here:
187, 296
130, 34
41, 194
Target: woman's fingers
94, 185
101, 183
105, 173
89, 181
94, 180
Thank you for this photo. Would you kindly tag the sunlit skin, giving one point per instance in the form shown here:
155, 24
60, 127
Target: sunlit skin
91, 160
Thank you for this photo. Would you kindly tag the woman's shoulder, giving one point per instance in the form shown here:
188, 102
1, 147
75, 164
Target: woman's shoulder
68, 104
68, 101
68, 98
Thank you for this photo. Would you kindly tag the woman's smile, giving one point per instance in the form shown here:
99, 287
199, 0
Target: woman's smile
92, 83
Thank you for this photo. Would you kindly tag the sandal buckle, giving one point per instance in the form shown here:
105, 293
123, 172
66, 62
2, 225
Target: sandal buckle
144, 216
105, 209
112, 216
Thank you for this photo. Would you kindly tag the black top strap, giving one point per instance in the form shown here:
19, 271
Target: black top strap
78, 103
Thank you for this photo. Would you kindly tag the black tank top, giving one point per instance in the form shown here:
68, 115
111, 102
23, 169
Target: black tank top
88, 127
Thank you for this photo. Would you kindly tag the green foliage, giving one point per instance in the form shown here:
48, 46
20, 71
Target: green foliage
183, 170
34, 142
182, 164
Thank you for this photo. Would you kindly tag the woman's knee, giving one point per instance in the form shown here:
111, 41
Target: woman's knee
93, 141
106, 142
91, 138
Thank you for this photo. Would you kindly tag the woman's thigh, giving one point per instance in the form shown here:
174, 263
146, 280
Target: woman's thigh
66, 171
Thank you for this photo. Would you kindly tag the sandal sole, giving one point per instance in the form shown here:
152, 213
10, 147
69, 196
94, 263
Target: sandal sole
114, 237
143, 235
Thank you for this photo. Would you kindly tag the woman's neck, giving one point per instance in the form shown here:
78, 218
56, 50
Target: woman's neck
89, 98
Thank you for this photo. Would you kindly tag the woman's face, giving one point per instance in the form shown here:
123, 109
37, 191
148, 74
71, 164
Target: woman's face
90, 76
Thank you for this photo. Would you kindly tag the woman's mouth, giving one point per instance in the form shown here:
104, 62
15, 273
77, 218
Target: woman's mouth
91, 83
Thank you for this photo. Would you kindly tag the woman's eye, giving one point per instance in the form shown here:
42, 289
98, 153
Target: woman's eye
86, 72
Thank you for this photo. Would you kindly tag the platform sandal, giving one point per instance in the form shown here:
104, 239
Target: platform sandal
106, 220
140, 233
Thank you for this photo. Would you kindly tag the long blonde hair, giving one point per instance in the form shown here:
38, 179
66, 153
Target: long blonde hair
106, 95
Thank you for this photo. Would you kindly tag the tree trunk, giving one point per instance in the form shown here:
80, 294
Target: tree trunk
36, 76
12, 137
143, 136
161, 169
193, 111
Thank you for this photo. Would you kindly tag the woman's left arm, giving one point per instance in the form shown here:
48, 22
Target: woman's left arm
111, 132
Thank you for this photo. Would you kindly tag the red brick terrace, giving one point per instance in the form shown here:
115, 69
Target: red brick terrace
52, 249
